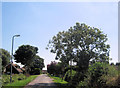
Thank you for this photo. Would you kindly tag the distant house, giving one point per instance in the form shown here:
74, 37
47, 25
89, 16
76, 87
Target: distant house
15, 69
44, 71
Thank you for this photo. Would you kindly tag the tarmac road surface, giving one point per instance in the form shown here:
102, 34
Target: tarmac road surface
42, 81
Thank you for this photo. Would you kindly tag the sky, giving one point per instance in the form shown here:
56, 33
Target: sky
38, 22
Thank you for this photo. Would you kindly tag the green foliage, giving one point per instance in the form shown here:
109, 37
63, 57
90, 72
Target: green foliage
96, 71
100, 75
60, 82
0, 71
55, 69
5, 55
51, 68
111, 76
37, 65
81, 44
60, 69
69, 75
21, 83
38, 62
15, 77
25, 55
35, 71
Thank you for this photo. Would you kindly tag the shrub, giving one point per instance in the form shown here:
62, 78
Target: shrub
51, 68
111, 76
99, 75
68, 76
55, 69
35, 71
15, 77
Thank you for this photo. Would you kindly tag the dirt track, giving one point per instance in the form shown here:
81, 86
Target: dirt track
42, 81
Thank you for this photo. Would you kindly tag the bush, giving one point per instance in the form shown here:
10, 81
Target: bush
35, 71
71, 78
99, 75
15, 77
55, 69
68, 76
51, 68
111, 76
21, 83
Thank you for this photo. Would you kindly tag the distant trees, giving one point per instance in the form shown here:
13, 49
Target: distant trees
55, 68
37, 66
5, 56
51, 68
26, 55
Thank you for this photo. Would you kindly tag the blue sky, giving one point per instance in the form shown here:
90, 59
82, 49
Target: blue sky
38, 22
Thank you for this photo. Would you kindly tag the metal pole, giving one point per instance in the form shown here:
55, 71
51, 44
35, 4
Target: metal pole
11, 59
12, 56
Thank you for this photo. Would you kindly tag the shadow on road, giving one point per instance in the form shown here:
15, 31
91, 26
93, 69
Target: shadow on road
40, 85
46, 85
43, 85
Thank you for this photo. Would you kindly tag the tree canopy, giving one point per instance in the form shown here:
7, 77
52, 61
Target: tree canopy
25, 55
81, 44
38, 62
5, 56
37, 65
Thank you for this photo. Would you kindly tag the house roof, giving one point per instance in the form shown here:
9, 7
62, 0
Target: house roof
18, 69
23, 69
15, 65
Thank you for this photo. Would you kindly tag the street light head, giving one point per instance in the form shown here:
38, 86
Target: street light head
17, 35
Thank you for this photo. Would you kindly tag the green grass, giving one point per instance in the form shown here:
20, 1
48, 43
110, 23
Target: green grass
60, 83
21, 83
15, 77
58, 80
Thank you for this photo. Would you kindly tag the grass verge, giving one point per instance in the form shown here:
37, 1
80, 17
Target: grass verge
15, 77
60, 83
59, 80
21, 83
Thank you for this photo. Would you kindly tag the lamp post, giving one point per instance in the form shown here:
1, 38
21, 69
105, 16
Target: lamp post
12, 56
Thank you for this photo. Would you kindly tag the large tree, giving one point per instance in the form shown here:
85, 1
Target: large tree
25, 55
81, 44
5, 56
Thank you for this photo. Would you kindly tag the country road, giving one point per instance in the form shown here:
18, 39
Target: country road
42, 81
